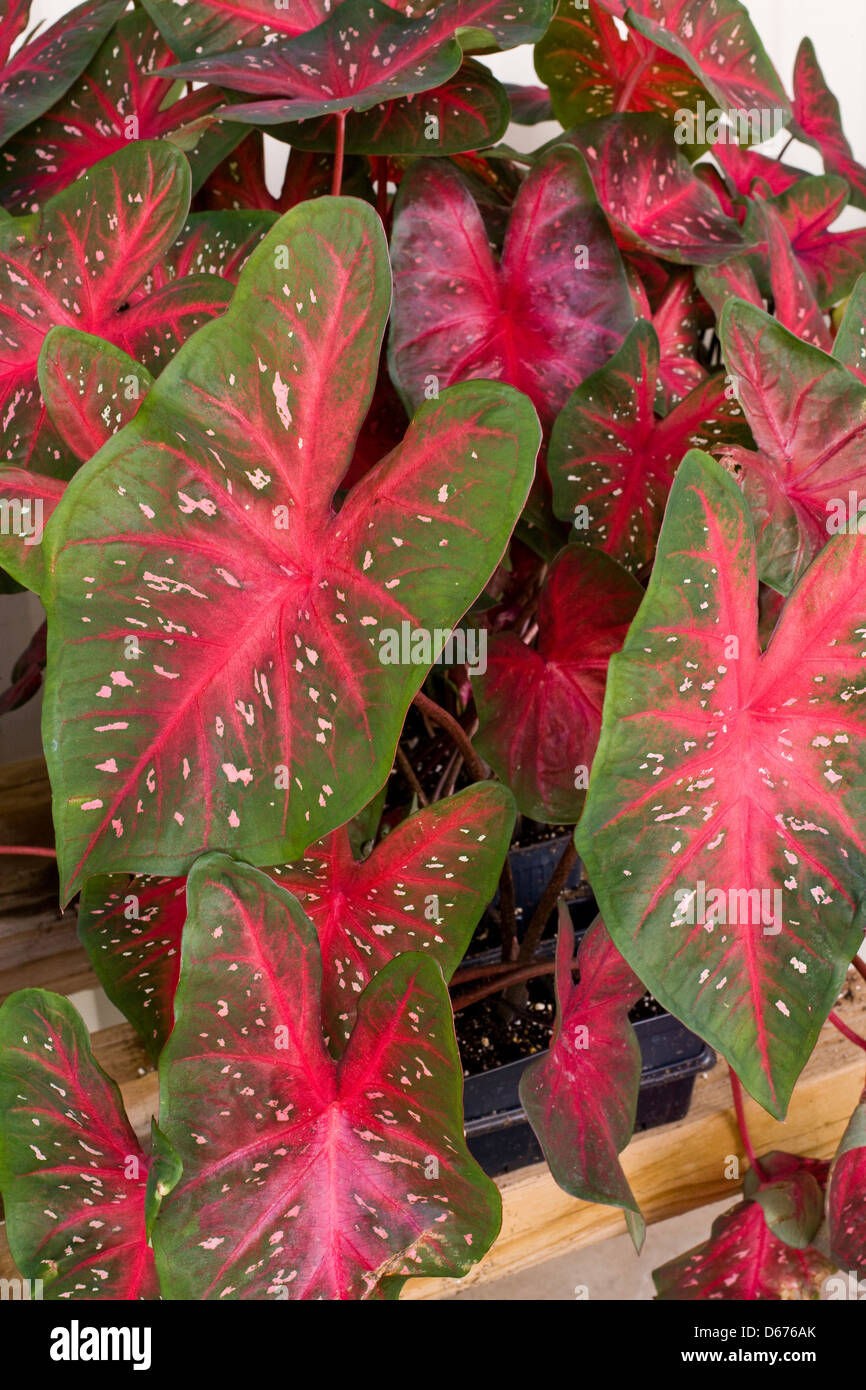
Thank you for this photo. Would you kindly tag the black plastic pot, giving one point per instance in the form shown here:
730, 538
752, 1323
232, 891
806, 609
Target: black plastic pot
499, 1135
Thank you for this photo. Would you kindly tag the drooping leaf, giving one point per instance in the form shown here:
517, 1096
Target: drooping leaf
791, 1196
45, 67
364, 53
850, 345
846, 1205
592, 72
101, 235
651, 194
581, 1096
718, 42
743, 1260
113, 102
342, 1174
90, 389
72, 1172
539, 708
235, 656
831, 259
819, 121
722, 831
468, 112
423, 888
808, 417
612, 460
554, 309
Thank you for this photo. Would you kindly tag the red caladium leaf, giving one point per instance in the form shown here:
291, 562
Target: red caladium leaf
831, 260
846, 1207
808, 418
718, 42
529, 105
254, 1104
236, 656
210, 243
747, 169
677, 322
423, 888
612, 460
651, 193
850, 345
46, 66
468, 112
210, 26
794, 301
581, 1096
104, 232
90, 389
72, 1173
553, 310
743, 1260
238, 182
365, 52
819, 121
592, 72
114, 101
790, 1192
733, 280
26, 676
539, 709
13, 22
722, 828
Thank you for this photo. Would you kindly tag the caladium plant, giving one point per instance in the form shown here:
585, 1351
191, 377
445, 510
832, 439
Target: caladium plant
404, 491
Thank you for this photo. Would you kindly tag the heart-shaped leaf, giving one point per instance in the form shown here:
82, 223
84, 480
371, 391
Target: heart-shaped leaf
592, 72
105, 232
45, 67
819, 120
846, 1206
808, 417
72, 1172
581, 1096
211, 26
747, 170
235, 657
719, 43
423, 888
343, 1174
612, 460
743, 1260
113, 102
831, 260
722, 828
651, 194
539, 708
553, 310
364, 53
790, 1192
794, 302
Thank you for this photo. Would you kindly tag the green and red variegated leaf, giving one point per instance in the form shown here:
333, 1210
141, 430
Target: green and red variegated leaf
553, 310
539, 709
581, 1096
468, 112
529, 105
831, 260
238, 181
591, 71
94, 246
114, 101
13, 22
819, 121
718, 42
612, 460
733, 280
72, 1172
722, 832
46, 66
210, 26
651, 194
131, 930
794, 302
423, 888
90, 389
808, 416
27, 500
745, 169
846, 1206
790, 1192
211, 243
364, 53
343, 1174
743, 1260
228, 688
677, 322
850, 345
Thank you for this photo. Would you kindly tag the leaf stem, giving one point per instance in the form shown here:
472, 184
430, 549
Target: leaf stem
548, 902
339, 153
409, 774
860, 966
507, 914
515, 977
29, 849
739, 1107
847, 1032
446, 721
